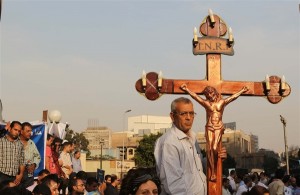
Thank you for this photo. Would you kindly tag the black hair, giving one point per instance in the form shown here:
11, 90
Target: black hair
247, 179
254, 177
286, 178
26, 124
136, 177
91, 180
52, 177
279, 173
81, 175
49, 136
224, 180
232, 172
257, 190
42, 189
73, 182
12, 124
106, 177
56, 140
43, 171
113, 178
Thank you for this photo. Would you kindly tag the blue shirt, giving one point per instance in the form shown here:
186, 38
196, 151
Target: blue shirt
178, 165
76, 165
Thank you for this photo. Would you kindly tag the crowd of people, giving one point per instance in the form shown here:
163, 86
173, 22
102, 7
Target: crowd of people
261, 184
63, 174
179, 168
19, 158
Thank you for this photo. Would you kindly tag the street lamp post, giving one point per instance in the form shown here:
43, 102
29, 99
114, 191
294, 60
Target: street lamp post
123, 149
55, 117
101, 144
282, 119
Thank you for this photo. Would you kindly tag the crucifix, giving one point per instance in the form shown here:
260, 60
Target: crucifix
212, 44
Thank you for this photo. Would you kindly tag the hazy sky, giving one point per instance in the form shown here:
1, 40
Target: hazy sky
84, 57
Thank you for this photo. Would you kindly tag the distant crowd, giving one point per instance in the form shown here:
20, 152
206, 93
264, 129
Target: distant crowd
261, 184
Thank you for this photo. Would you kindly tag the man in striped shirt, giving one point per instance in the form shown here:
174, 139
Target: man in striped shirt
12, 163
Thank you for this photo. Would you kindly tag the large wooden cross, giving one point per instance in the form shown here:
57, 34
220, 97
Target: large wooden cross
212, 44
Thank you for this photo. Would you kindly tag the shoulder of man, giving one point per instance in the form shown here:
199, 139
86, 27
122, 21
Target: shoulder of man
31, 141
168, 135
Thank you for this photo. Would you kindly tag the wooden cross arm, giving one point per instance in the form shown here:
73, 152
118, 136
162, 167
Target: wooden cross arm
256, 88
153, 90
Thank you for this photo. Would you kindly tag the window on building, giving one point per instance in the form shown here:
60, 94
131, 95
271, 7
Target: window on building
130, 151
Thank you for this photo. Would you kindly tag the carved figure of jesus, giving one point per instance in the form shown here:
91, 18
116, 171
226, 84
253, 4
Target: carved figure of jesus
214, 128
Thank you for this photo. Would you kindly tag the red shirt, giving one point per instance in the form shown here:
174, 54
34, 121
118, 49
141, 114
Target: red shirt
52, 166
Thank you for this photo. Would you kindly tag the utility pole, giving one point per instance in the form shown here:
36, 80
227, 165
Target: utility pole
282, 119
101, 144
123, 147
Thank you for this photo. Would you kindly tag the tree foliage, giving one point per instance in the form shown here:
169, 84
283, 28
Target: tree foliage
270, 164
81, 143
144, 156
228, 163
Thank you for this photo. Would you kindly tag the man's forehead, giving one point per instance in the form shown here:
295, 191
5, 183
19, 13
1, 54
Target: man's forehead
183, 105
27, 128
53, 183
16, 125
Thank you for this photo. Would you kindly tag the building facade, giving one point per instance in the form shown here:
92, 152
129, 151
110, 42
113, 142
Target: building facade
235, 141
146, 124
99, 140
244, 148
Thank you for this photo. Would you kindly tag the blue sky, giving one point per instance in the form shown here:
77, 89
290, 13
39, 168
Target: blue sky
84, 57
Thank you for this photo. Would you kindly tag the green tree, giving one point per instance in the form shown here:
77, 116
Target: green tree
270, 165
144, 156
79, 140
228, 163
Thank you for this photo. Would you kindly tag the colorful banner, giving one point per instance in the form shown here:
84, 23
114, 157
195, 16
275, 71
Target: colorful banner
100, 175
39, 137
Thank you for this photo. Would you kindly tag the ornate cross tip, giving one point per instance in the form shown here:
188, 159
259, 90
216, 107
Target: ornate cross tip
267, 83
211, 17
195, 40
150, 85
144, 79
276, 89
230, 37
282, 84
159, 80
